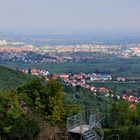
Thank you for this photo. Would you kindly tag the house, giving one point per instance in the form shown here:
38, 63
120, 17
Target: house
121, 79
78, 76
130, 98
103, 89
132, 107
35, 71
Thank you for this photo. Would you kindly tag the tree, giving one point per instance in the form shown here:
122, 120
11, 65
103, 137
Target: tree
54, 108
119, 114
14, 123
45, 97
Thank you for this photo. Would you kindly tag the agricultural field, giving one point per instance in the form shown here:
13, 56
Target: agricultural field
115, 66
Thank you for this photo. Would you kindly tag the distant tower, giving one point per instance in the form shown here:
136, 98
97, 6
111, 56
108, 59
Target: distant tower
123, 47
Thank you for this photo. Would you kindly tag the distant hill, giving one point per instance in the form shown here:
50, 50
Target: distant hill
10, 79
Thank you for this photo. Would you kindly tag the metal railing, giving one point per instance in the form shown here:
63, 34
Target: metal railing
113, 135
74, 121
98, 138
93, 120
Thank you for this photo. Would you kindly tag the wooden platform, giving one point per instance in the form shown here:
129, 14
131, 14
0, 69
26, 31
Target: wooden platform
79, 129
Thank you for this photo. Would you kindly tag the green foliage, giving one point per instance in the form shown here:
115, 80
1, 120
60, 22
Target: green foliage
46, 98
119, 113
122, 115
54, 107
83, 97
14, 123
123, 120
72, 109
118, 86
124, 133
32, 93
10, 79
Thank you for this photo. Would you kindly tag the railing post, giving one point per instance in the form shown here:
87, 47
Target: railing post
81, 129
74, 120
67, 124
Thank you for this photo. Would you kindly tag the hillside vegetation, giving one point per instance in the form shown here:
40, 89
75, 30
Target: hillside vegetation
53, 102
10, 79
22, 109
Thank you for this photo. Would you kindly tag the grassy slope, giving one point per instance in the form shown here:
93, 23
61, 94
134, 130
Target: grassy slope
10, 79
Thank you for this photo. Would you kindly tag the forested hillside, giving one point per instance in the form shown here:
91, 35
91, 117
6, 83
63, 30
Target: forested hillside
10, 79
29, 106
34, 108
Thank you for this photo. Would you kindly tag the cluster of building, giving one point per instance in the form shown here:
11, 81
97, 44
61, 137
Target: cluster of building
83, 77
124, 51
98, 77
4, 42
131, 98
34, 71
29, 56
81, 80
19, 51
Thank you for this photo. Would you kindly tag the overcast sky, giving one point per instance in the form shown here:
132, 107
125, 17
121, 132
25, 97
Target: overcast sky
69, 15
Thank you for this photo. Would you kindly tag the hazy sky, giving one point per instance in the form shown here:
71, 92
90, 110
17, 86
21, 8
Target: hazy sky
69, 15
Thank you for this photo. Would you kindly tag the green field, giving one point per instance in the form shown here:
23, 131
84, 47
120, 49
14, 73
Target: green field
119, 86
114, 66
